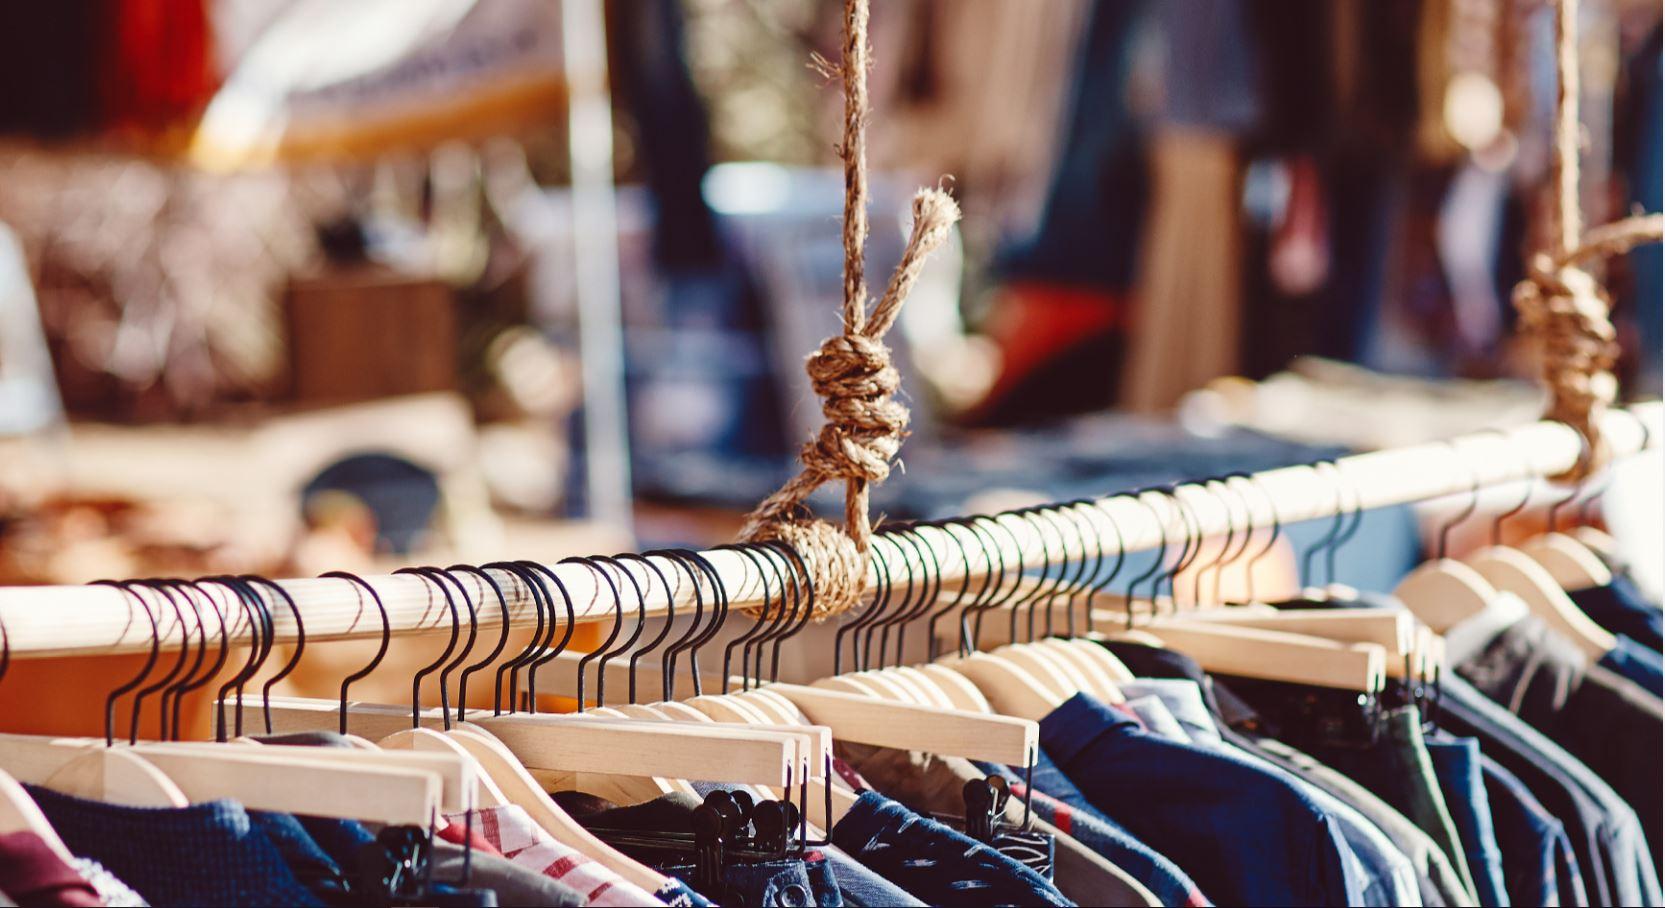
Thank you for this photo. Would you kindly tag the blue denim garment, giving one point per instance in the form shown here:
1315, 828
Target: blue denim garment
1636, 663
321, 873
1621, 608
1188, 802
1384, 875
1457, 769
862, 888
1063, 805
205, 854
790, 883
935, 862
1613, 856
1538, 863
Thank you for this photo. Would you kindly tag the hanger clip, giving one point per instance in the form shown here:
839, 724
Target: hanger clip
710, 827
395, 869
984, 804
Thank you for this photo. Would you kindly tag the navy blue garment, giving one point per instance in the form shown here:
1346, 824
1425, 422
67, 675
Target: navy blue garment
1539, 867
1247, 836
1546, 680
790, 882
861, 887
1614, 860
1063, 805
1636, 663
935, 862
205, 854
1456, 764
1621, 608
318, 870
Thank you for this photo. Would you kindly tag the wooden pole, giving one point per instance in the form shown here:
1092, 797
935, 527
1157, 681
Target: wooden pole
86, 620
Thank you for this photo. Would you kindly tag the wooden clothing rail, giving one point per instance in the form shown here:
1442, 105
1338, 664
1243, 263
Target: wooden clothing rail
87, 620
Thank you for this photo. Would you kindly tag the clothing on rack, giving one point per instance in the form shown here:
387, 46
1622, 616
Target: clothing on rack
510, 832
1543, 679
206, 854
935, 862
1621, 608
31, 873
1159, 790
1170, 769
934, 785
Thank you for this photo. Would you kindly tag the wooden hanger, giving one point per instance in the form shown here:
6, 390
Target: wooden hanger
1277, 656
1394, 631
861, 718
574, 743
522, 790
1572, 564
1513, 571
1009, 688
20, 813
905, 726
111, 774
426, 740
816, 753
325, 787
1444, 593
1599, 541
864, 719
1094, 668
961, 693
456, 771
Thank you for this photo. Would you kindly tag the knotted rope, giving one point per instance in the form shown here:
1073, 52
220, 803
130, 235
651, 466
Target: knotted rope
1561, 305
852, 372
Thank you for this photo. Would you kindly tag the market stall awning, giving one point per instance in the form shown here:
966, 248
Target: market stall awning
329, 80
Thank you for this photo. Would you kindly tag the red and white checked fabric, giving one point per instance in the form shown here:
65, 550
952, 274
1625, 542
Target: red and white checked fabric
511, 831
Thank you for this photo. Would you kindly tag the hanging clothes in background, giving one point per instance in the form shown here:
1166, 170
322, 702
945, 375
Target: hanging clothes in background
80, 67
945, 70
158, 66
1184, 330
1059, 319
1639, 115
49, 63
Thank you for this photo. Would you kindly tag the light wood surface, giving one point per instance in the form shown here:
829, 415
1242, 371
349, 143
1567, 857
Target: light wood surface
63, 620
578, 743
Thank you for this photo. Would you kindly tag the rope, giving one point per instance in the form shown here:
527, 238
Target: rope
852, 372
1561, 305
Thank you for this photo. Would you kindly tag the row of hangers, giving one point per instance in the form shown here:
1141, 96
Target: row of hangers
1002, 651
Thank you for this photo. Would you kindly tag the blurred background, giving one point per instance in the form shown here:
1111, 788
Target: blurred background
296, 285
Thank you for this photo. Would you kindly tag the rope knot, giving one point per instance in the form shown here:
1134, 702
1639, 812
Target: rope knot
853, 376
1563, 308
852, 372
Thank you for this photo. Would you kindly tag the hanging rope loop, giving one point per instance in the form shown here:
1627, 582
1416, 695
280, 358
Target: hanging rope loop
1561, 306
852, 372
